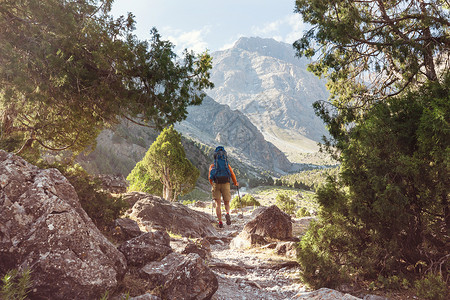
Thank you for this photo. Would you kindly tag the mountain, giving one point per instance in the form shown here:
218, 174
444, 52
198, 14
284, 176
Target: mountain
263, 116
263, 79
216, 124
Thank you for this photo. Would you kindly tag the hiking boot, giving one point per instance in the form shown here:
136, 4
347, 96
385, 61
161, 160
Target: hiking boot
228, 218
220, 225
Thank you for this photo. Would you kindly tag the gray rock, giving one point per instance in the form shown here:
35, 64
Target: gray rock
271, 223
247, 240
146, 297
374, 297
125, 229
288, 249
324, 294
156, 213
113, 183
181, 277
42, 226
203, 251
146, 248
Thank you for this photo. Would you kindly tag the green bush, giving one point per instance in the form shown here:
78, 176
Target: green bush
15, 285
246, 200
302, 212
432, 287
318, 267
285, 203
385, 210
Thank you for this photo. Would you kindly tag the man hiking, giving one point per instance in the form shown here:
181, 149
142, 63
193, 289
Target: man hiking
220, 173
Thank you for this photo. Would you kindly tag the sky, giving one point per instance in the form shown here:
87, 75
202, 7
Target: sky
213, 25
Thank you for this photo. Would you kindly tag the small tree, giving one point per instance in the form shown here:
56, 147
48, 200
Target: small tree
285, 203
246, 200
165, 162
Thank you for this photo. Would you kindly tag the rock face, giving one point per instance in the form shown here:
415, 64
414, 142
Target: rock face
42, 226
232, 129
270, 223
266, 81
181, 277
155, 213
146, 248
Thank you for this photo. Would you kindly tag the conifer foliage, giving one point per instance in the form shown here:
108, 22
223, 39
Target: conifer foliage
387, 211
165, 168
68, 70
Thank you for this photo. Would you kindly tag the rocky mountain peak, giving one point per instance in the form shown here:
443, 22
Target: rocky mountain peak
264, 80
270, 48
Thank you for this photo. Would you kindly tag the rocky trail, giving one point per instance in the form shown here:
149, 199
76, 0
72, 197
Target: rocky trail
255, 273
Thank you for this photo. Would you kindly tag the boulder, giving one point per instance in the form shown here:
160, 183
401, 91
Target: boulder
132, 197
324, 294
271, 223
181, 277
113, 183
43, 227
247, 240
203, 251
155, 213
288, 249
146, 248
125, 229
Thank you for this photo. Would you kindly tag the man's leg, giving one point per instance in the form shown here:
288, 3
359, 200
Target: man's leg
217, 196
218, 209
226, 193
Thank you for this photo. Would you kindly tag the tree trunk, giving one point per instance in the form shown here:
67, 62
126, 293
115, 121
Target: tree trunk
167, 190
7, 120
428, 60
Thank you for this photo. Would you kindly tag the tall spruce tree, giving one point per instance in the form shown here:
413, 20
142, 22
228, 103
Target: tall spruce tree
165, 168
69, 70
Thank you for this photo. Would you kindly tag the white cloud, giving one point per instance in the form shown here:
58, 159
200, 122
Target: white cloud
287, 29
227, 45
191, 40
297, 26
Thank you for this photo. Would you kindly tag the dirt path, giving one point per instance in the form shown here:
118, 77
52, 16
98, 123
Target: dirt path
256, 273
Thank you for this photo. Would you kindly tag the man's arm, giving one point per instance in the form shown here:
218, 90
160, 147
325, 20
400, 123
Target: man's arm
233, 177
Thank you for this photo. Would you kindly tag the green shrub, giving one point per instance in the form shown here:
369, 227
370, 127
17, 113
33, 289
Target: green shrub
187, 202
246, 200
318, 267
386, 209
432, 287
393, 282
302, 212
285, 203
15, 285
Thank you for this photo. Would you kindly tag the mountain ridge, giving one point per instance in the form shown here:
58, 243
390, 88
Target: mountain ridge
264, 79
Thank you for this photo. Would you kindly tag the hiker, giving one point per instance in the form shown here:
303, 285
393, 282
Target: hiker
220, 173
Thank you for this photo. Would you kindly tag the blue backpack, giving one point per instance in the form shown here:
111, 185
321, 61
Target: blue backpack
220, 173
